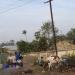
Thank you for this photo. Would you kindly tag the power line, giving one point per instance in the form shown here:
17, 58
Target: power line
15, 7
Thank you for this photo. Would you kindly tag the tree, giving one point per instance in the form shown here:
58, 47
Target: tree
22, 46
44, 36
25, 47
47, 29
24, 32
61, 38
35, 45
37, 35
71, 35
43, 45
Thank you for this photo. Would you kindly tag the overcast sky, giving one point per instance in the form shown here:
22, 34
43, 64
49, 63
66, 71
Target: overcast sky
19, 15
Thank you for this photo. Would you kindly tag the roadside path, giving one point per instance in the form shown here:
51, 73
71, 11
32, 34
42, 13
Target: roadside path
28, 66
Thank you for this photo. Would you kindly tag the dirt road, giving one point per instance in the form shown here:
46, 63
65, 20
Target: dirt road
28, 65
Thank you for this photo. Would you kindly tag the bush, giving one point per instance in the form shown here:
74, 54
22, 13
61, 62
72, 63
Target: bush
70, 60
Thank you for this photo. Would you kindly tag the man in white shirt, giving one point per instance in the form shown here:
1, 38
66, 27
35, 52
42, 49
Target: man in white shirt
11, 59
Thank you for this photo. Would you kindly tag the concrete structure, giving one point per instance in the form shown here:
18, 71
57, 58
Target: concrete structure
49, 53
11, 49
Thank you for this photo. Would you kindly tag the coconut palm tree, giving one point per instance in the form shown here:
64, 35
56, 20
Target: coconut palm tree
24, 32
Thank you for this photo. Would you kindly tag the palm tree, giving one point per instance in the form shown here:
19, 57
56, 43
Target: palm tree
24, 32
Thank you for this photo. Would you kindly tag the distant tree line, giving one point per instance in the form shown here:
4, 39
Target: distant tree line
44, 39
10, 43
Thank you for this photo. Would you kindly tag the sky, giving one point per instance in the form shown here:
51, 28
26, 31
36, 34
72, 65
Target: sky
29, 15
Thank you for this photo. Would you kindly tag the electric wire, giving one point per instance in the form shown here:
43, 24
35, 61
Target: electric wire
12, 8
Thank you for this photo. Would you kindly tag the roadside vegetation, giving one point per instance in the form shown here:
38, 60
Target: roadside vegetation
43, 39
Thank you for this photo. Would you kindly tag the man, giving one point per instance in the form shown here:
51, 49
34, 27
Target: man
11, 60
17, 54
52, 61
19, 59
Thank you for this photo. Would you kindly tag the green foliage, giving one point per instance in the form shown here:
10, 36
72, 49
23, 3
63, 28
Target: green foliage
71, 59
37, 35
43, 45
71, 35
43, 36
42, 41
46, 29
61, 37
23, 46
35, 45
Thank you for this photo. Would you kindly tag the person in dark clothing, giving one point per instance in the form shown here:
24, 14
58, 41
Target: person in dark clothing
17, 54
19, 59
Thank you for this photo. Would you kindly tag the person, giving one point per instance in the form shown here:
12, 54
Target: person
9, 59
20, 62
54, 62
19, 59
50, 62
14, 61
41, 61
17, 55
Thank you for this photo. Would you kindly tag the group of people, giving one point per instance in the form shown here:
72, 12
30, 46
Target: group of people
14, 60
49, 62
52, 61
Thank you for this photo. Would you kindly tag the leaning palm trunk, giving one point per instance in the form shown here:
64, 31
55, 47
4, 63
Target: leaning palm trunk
26, 37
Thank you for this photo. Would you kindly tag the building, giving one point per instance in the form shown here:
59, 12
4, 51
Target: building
11, 48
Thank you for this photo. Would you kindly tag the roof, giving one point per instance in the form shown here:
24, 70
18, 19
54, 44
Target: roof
14, 47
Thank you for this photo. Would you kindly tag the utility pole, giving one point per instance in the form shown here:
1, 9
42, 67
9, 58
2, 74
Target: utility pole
53, 27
